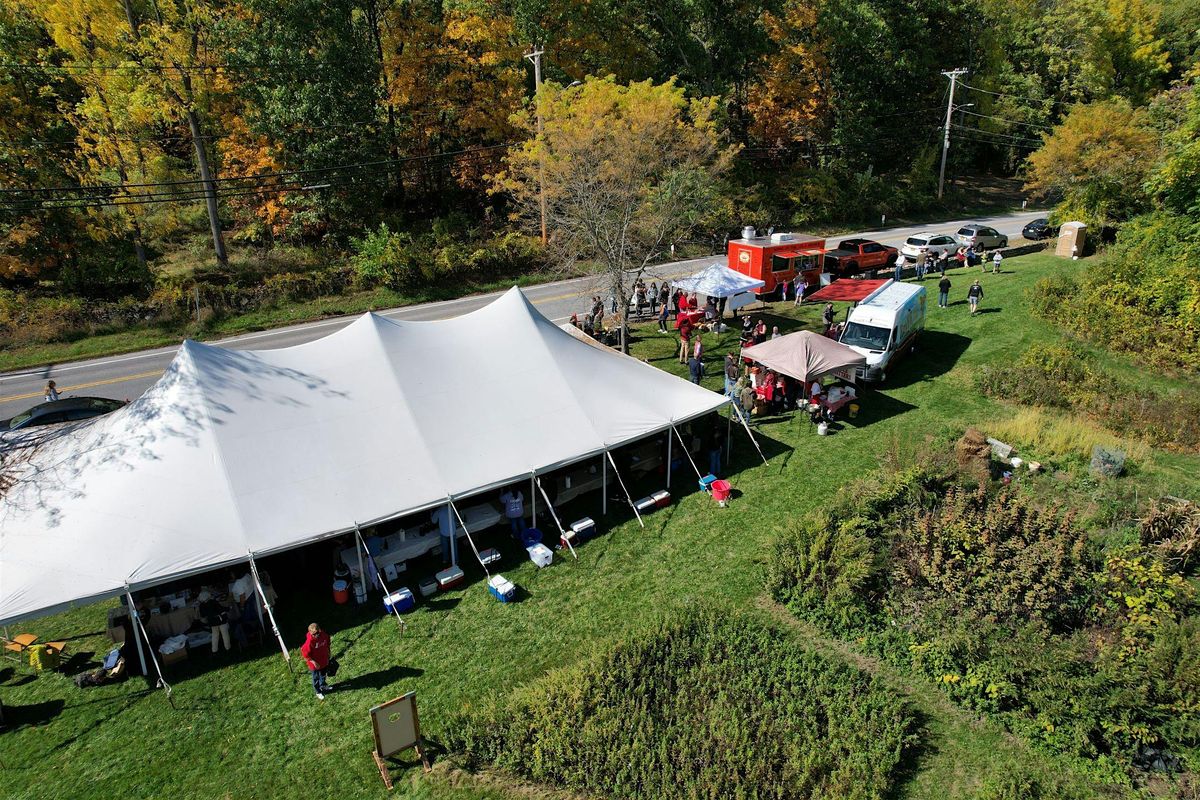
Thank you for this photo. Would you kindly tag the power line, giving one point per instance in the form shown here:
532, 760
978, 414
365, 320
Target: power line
1009, 121
1017, 96
1029, 143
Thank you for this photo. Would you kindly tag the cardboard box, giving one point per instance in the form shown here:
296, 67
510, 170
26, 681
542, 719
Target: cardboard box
173, 658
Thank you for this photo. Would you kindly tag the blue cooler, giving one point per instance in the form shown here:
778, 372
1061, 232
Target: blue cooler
502, 588
706, 482
400, 600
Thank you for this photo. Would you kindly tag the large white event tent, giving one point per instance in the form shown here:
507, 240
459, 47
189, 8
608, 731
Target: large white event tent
235, 454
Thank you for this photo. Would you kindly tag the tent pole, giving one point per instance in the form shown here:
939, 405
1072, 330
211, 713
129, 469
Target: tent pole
617, 472
454, 508
137, 639
533, 499
386, 591
749, 433
604, 487
138, 619
670, 442
686, 452
728, 440
362, 570
262, 595
562, 532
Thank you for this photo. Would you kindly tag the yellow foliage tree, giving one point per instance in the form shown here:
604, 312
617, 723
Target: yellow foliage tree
787, 104
621, 172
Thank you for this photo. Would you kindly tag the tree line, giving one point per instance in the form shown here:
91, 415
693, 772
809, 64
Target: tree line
128, 126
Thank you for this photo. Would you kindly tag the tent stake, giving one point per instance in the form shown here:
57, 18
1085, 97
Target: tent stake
262, 595
687, 452
562, 532
138, 619
628, 497
387, 592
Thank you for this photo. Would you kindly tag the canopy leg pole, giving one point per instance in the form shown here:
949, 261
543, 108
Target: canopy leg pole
533, 498
603, 487
386, 591
454, 508
621, 480
562, 532
687, 453
262, 596
750, 433
728, 441
137, 638
362, 571
157, 669
670, 459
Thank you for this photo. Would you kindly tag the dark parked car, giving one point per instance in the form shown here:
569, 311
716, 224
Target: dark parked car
70, 409
1039, 229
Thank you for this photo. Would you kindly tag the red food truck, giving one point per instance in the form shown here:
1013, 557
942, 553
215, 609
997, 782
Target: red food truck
778, 257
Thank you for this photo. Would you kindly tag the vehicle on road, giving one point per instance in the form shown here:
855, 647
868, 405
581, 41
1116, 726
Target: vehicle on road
929, 243
853, 256
1039, 229
70, 409
981, 236
885, 326
776, 258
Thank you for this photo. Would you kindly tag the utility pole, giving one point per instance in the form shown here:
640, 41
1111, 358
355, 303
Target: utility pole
953, 75
534, 56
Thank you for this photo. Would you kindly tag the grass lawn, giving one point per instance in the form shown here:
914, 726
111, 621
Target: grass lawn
247, 728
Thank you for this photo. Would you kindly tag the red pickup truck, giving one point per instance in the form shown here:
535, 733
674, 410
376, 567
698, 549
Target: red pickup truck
853, 256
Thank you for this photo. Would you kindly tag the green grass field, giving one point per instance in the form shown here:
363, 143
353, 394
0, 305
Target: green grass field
245, 727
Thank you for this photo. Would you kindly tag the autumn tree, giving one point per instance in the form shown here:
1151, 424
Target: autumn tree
1098, 161
623, 171
787, 104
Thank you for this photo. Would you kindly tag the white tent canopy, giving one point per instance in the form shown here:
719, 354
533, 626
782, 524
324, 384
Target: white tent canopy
237, 452
718, 280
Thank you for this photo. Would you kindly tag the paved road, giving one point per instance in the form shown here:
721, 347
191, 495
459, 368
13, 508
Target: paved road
129, 375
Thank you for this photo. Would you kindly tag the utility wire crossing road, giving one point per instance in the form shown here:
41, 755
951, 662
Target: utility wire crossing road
127, 376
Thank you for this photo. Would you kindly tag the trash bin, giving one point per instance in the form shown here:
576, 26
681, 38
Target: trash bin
720, 491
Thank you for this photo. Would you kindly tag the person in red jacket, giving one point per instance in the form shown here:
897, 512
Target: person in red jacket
316, 655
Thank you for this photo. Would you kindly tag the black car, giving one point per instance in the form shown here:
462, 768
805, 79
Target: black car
70, 409
1039, 229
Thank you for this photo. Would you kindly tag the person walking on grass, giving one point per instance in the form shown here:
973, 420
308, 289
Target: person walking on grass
664, 311
974, 295
827, 316
944, 292
996, 259
315, 652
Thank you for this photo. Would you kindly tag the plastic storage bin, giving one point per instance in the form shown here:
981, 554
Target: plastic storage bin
449, 578
489, 556
502, 588
400, 600
707, 481
540, 554
427, 587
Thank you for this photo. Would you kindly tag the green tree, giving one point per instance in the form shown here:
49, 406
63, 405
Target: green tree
621, 171
1097, 161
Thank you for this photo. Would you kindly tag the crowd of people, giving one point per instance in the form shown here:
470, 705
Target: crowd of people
928, 263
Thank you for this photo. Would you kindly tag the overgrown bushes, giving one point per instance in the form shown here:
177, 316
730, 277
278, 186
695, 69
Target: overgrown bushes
1082, 648
1065, 376
1142, 296
705, 706
404, 261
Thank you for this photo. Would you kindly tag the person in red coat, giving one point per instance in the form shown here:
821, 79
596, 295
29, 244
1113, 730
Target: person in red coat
316, 655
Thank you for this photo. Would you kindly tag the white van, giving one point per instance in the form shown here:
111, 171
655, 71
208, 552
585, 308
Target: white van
884, 326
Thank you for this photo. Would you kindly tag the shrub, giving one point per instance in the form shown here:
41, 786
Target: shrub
995, 558
705, 706
1137, 593
1050, 435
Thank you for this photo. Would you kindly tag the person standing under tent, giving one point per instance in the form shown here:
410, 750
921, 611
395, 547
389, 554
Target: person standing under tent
51, 392
721, 307
440, 516
675, 296
944, 292
996, 259
513, 501
974, 295
216, 617
775, 334
315, 652
714, 450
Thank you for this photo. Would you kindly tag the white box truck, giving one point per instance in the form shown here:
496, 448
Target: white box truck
884, 326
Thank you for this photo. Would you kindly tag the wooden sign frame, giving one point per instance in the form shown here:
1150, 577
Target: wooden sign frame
389, 713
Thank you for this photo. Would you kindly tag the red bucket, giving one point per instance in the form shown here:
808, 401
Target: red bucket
721, 490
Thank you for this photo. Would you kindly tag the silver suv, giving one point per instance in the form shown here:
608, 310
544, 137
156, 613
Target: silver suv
981, 236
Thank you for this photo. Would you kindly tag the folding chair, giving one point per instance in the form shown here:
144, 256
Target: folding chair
18, 645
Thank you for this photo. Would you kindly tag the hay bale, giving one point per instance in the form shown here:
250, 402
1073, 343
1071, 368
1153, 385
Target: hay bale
974, 454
